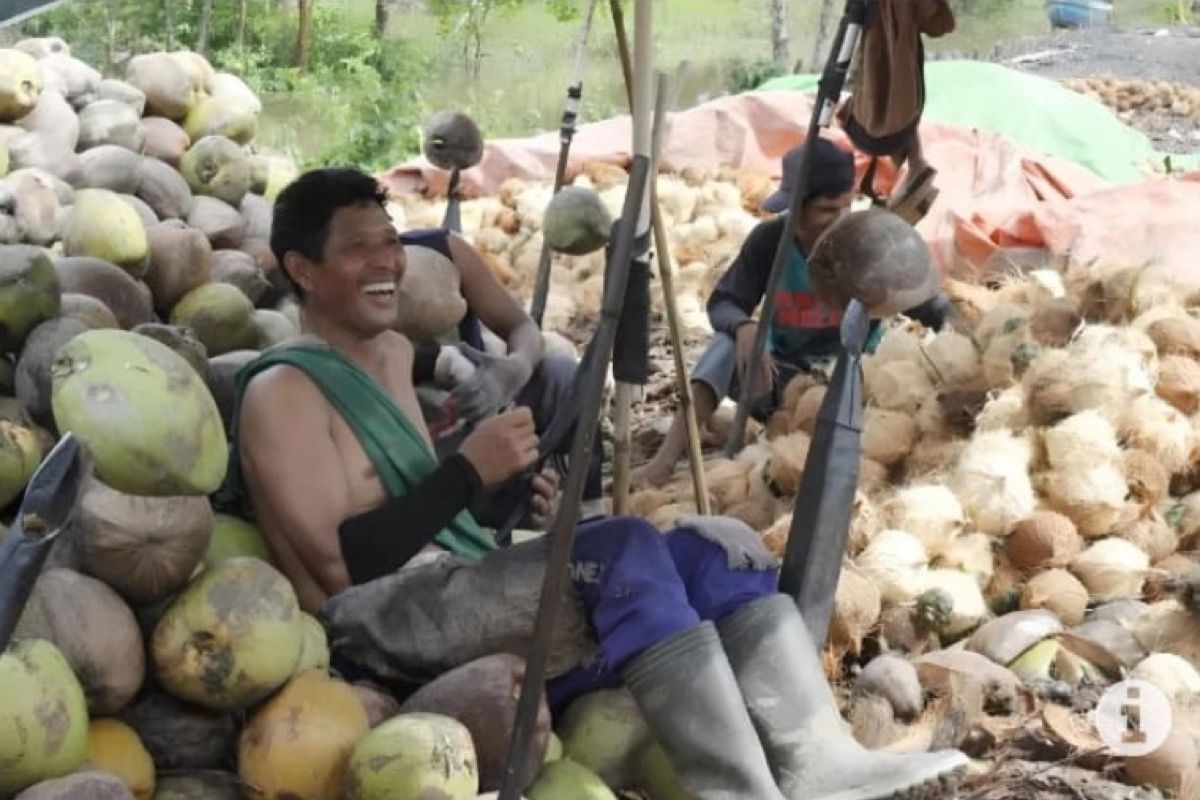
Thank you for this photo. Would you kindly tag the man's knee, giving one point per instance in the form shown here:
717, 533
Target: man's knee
612, 539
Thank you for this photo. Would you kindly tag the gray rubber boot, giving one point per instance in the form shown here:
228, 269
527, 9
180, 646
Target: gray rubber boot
812, 752
690, 698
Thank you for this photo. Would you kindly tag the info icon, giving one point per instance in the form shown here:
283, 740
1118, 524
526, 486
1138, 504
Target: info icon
1133, 718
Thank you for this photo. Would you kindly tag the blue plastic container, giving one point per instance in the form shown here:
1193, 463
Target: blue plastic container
1078, 13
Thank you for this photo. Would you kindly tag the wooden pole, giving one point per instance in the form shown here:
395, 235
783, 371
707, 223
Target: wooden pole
667, 273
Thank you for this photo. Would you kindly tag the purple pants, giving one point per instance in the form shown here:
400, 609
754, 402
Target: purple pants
641, 587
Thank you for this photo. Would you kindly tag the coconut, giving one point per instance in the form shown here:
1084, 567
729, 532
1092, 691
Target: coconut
413, 756
785, 467
163, 189
20, 454
1153, 425
1112, 569
576, 221
991, 480
100, 226
1147, 479
37, 208
182, 341
931, 513
298, 743
232, 88
167, 86
888, 436
20, 86
147, 418
971, 554
32, 378
144, 547
29, 293
220, 315
114, 747
217, 167
81, 80
43, 721
893, 678
272, 328
774, 538
856, 608
605, 731
482, 695
897, 385
1004, 638
1042, 540
222, 380
239, 270
933, 459
1152, 536
145, 213
112, 89
110, 122
218, 221
94, 630
224, 117
200, 72
110, 285
86, 785
1170, 673
1081, 441
181, 735
1059, 591
377, 701
231, 538
200, 785
1094, 498
240, 619
314, 650
1176, 335
894, 561
1054, 323
804, 415
428, 297
54, 121
1171, 767
1179, 383
952, 359
164, 140
180, 262
967, 607
1008, 355
900, 343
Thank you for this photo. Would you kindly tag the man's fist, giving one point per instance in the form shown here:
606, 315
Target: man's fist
502, 446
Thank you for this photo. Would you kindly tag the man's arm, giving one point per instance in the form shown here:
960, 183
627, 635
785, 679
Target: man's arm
741, 288
493, 304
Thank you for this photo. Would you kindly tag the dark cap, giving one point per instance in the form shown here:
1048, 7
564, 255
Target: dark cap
831, 173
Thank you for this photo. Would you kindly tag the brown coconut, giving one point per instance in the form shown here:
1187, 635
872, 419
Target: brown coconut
109, 122
239, 269
257, 212
1147, 479
1059, 591
95, 631
1054, 322
144, 547
180, 735
36, 204
181, 340
180, 261
164, 140
33, 380
483, 695
377, 701
1179, 382
109, 284
110, 166
166, 84
1153, 536
804, 415
1042, 540
87, 784
785, 467
54, 121
1176, 336
163, 189
856, 608
219, 221
888, 436
222, 378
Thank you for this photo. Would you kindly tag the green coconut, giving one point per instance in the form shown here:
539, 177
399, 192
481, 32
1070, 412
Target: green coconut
221, 316
216, 166
271, 173
20, 84
29, 293
576, 221
231, 638
88, 310
20, 453
99, 225
413, 757
32, 381
314, 650
566, 780
238, 269
148, 419
605, 732
166, 84
232, 538
222, 116
43, 719
90, 784
657, 777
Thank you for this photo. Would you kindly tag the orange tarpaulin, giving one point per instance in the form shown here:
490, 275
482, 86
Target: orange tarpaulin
994, 194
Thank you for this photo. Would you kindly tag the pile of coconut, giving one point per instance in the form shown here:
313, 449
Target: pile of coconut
1125, 95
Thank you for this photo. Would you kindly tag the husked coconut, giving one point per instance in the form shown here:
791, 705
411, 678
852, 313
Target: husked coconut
967, 605
895, 560
1177, 335
1179, 383
1094, 498
931, 513
932, 421
1003, 410
888, 436
1053, 324
1147, 479
1007, 357
785, 467
1059, 591
900, 343
897, 385
856, 607
991, 480
933, 459
1112, 569
1152, 535
1153, 425
1081, 441
1043, 539
808, 405
972, 554
953, 359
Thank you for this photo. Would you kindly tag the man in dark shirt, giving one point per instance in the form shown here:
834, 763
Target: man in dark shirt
804, 334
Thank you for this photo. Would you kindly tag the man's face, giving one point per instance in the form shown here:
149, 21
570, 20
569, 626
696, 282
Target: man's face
363, 262
821, 212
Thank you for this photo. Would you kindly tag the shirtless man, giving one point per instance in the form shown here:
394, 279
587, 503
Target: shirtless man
336, 464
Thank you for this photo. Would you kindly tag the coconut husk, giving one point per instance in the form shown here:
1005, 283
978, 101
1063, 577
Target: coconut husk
180, 735
1147, 479
1151, 424
873, 723
893, 678
973, 554
930, 512
112, 89
81, 79
1054, 323
1152, 535
164, 140
54, 121
164, 189
218, 221
109, 284
804, 416
896, 385
238, 269
1106, 643
1176, 336
33, 379
1177, 569
991, 480
856, 608
1179, 383
932, 459
1042, 540
1059, 591
87, 310
217, 167
110, 122
1008, 356
180, 261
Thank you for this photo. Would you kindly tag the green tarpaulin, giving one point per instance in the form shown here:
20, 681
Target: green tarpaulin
1037, 113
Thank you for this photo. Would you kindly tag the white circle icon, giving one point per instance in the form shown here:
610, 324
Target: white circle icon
1133, 718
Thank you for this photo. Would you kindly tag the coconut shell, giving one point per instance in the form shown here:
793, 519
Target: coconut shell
111, 167
110, 122
180, 262
30, 292
482, 695
163, 189
1058, 591
181, 735
218, 221
94, 630
164, 140
33, 377
1044, 539
144, 547
238, 269
110, 285
54, 121
166, 84
1004, 638
90, 784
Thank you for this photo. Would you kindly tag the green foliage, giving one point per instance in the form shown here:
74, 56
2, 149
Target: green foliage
747, 75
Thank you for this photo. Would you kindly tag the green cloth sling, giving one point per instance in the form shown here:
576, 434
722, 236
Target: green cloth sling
400, 456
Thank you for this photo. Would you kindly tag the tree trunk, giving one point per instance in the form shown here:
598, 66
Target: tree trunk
241, 33
169, 22
205, 27
779, 35
303, 33
819, 54
382, 12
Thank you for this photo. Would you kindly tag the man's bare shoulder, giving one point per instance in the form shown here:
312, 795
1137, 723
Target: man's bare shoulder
287, 389
397, 345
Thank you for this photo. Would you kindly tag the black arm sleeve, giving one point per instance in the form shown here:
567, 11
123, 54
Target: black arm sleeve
742, 286
380, 541
425, 358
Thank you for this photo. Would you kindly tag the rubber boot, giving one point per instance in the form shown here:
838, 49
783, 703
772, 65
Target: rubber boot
812, 752
690, 699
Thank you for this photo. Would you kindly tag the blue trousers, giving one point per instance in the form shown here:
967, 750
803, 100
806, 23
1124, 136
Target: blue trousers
641, 587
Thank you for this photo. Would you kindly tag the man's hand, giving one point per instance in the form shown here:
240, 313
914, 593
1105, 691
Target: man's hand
496, 381
745, 346
545, 498
502, 446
